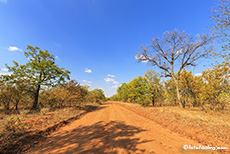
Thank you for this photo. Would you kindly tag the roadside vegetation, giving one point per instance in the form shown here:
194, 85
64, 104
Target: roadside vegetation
38, 94
209, 91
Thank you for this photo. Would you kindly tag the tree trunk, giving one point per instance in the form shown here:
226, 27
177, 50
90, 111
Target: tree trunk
153, 101
178, 93
16, 105
179, 97
35, 103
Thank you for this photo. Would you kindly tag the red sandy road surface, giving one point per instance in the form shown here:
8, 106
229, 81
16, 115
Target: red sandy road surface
113, 129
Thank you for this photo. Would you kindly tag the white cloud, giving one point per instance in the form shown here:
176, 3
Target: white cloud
198, 74
179, 51
57, 57
3, 1
111, 75
109, 80
88, 70
4, 69
14, 49
115, 86
115, 82
139, 57
88, 82
5, 74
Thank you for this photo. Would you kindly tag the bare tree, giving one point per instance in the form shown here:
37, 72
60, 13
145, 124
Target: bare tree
175, 51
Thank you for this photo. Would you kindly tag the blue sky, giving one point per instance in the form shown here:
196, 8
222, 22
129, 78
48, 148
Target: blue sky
96, 39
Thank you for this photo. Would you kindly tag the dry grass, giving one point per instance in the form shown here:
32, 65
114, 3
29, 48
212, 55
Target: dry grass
37, 120
194, 114
211, 128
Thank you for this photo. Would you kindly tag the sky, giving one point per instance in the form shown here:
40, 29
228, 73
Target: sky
96, 39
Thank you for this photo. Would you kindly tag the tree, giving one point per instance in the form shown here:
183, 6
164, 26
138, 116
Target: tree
216, 82
96, 96
221, 16
175, 49
170, 92
5, 95
122, 92
190, 86
136, 91
40, 70
153, 79
139, 91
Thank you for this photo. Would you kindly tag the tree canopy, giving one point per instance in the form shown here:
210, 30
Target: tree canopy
174, 52
40, 70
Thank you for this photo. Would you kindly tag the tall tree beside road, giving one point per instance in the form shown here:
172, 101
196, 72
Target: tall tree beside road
174, 52
40, 70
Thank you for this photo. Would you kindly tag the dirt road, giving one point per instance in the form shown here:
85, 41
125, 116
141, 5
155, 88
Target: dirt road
113, 129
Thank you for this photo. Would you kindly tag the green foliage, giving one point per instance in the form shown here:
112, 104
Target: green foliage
123, 92
170, 92
40, 70
136, 91
95, 96
155, 85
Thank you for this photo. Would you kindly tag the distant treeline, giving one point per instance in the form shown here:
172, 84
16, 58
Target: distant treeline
211, 90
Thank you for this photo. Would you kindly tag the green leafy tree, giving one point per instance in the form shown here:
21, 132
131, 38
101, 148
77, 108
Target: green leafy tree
156, 87
122, 92
139, 91
96, 96
40, 70
136, 91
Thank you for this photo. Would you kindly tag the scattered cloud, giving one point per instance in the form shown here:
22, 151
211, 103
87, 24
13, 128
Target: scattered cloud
5, 74
3, 1
140, 57
11, 48
88, 70
115, 86
4, 69
109, 80
179, 51
198, 74
88, 82
115, 82
112, 76
57, 57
